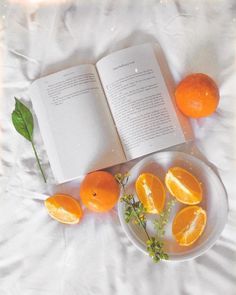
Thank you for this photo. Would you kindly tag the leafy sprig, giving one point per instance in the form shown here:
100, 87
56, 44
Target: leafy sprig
160, 223
22, 120
155, 249
135, 212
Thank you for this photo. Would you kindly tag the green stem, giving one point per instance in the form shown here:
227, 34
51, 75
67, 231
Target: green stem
140, 221
146, 233
37, 158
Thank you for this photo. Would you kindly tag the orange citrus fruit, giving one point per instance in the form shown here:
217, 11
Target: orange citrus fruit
150, 192
197, 95
64, 208
189, 224
183, 185
99, 191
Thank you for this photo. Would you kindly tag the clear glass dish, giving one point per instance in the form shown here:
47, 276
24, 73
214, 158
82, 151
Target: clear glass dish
214, 201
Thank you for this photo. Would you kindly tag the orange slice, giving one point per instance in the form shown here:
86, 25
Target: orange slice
150, 192
64, 208
189, 224
184, 186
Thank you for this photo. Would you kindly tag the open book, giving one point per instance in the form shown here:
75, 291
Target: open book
92, 117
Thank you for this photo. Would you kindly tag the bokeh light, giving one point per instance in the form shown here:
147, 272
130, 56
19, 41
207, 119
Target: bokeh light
41, 2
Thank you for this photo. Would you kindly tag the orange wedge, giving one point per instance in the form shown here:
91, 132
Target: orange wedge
184, 186
64, 208
150, 192
189, 224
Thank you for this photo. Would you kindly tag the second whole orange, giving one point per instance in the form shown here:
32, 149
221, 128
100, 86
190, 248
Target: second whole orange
99, 191
197, 95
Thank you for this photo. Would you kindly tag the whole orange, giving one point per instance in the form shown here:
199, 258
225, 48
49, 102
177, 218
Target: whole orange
99, 191
197, 95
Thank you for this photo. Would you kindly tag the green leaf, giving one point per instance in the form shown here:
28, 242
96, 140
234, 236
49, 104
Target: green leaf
22, 120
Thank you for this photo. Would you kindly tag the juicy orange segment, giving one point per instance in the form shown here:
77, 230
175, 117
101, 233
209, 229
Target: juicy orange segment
189, 224
64, 208
150, 192
183, 185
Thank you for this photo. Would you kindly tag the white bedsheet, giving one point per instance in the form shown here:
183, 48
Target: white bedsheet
39, 256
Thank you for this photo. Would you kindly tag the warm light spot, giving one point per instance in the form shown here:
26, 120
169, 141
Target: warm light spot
1, 92
41, 2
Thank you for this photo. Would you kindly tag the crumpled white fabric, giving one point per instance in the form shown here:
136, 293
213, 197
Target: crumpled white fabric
39, 256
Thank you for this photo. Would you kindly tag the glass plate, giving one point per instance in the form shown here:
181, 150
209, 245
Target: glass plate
214, 201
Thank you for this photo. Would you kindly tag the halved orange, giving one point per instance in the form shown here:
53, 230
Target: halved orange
184, 186
151, 192
189, 224
64, 208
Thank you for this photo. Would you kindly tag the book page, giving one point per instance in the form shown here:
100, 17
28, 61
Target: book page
75, 122
139, 101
